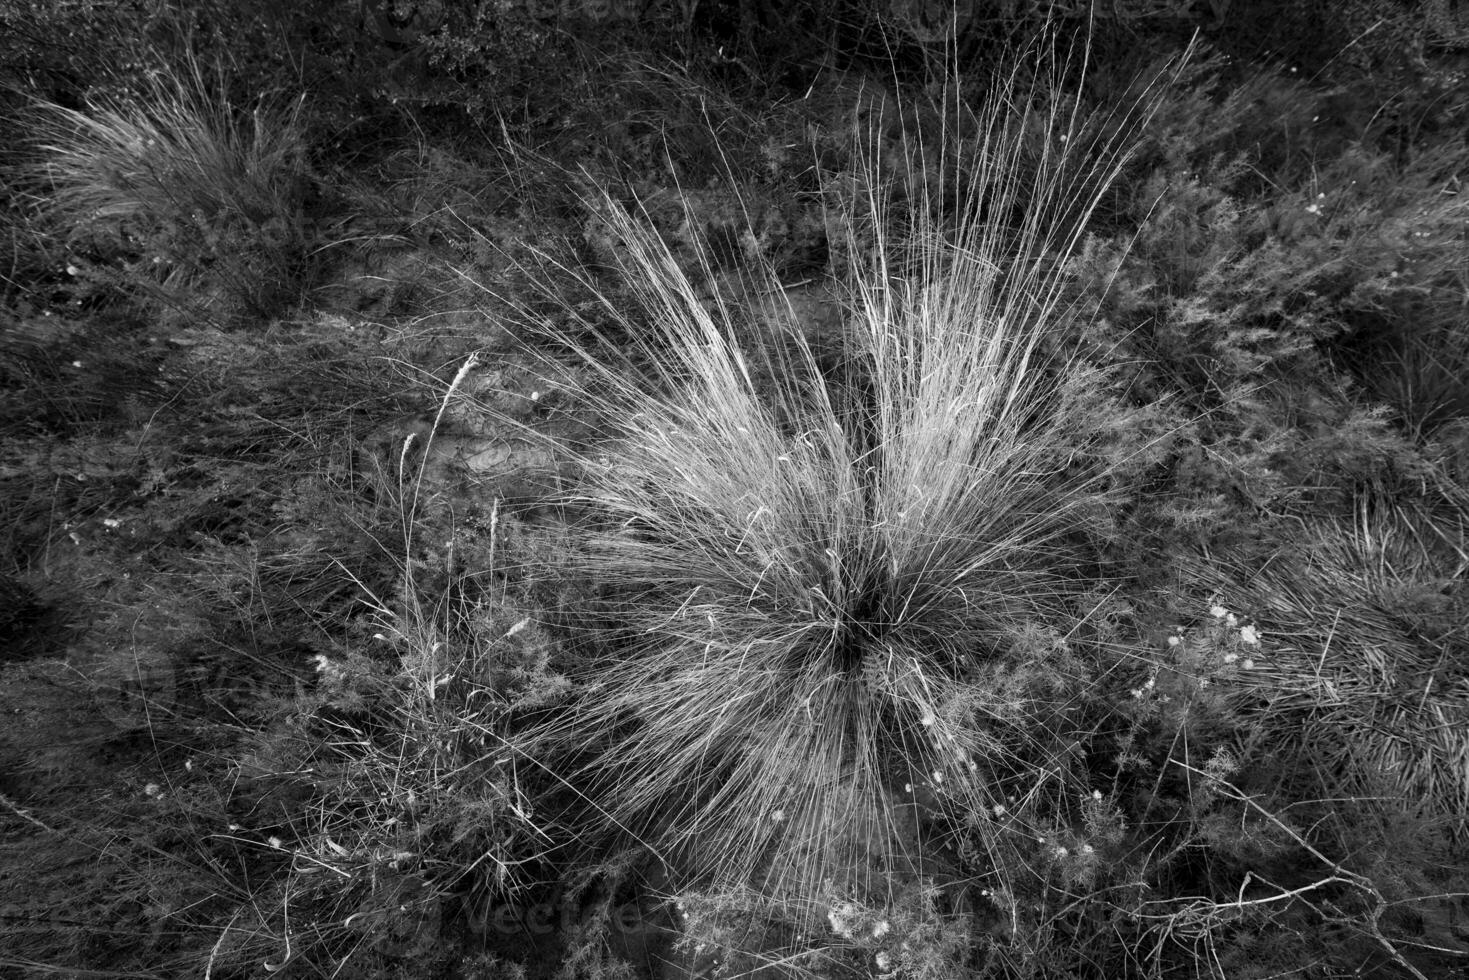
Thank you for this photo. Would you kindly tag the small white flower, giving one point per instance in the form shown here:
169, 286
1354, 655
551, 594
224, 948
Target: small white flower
777, 815
907, 787
1061, 852
275, 842
883, 960
938, 776
928, 718
1230, 658
1248, 664
1096, 794
1088, 849
998, 809
880, 929
1231, 620
1250, 635
841, 917
153, 790
1218, 612
1174, 641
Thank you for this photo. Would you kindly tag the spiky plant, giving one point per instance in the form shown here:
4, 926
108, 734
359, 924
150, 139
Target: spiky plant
175, 188
837, 606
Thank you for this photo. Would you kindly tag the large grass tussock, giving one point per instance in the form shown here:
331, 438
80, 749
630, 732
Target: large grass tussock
843, 604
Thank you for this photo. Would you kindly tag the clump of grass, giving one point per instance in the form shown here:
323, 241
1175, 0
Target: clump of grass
839, 606
1419, 372
382, 786
173, 190
1359, 691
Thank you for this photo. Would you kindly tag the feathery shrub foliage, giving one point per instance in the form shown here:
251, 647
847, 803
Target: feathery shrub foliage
844, 596
176, 193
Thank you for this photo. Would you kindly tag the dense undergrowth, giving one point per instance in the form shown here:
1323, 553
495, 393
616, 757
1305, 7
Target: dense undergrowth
777, 519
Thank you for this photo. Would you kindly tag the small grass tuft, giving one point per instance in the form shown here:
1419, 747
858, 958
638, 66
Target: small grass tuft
178, 193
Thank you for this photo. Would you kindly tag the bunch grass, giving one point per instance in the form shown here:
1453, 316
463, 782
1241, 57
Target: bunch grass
1361, 687
842, 597
172, 189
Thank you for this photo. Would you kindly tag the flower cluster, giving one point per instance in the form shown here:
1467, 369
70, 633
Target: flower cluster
853, 922
1224, 643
